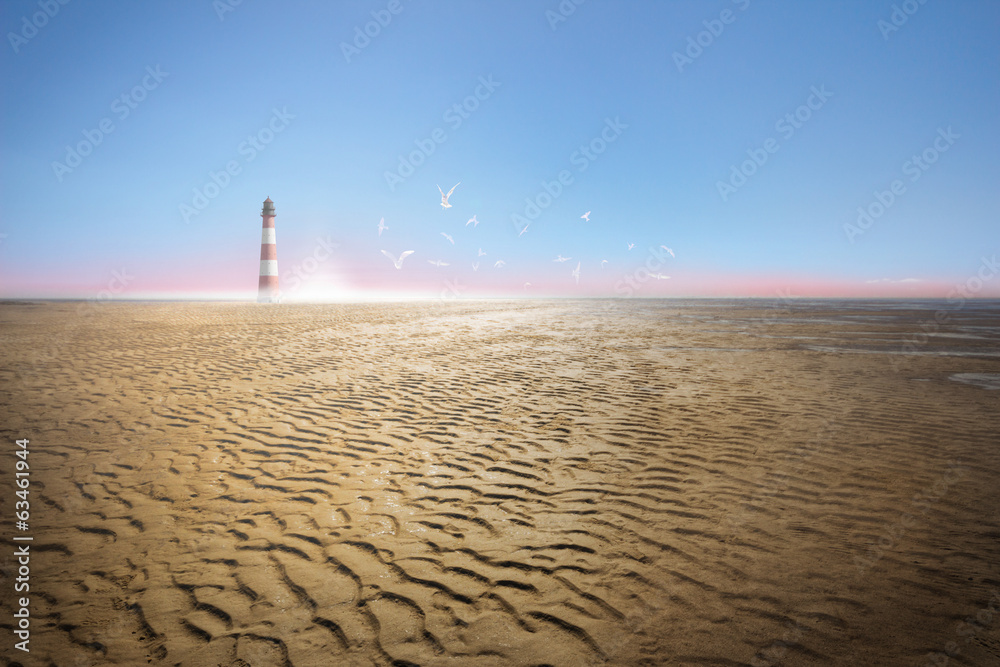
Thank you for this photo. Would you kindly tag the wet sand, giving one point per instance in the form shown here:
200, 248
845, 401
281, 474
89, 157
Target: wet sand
487, 484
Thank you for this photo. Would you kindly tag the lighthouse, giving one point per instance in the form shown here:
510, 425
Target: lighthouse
267, 291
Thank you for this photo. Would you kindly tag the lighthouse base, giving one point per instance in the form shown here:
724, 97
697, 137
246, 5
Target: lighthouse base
267, 288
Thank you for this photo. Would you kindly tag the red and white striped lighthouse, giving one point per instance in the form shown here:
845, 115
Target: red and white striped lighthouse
267, 291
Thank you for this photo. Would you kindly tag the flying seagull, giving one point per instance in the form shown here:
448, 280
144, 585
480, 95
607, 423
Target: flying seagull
576, 273
668, 250
499, 263
631, 245
437, 262
527, 285
381, 226
523, 230
481, 253
659, 276
398, 262
603, 262
475, 223
475, 266
448, 236
560, 258
586, 216
444, 197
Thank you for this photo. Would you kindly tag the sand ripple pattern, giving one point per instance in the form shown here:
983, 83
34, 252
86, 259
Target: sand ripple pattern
491, 484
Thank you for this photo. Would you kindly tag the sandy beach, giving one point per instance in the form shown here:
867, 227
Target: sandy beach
494, 483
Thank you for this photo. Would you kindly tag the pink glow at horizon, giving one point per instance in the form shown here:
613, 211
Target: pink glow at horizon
239, 279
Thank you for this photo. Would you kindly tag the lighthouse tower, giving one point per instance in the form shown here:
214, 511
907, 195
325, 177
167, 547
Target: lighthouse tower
267, 291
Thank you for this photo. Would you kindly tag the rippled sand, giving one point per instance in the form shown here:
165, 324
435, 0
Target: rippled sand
506, 483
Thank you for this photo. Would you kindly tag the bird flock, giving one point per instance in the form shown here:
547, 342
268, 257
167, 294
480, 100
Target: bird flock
499, 264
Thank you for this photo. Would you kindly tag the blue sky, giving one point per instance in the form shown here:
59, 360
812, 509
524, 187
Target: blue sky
345, 117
